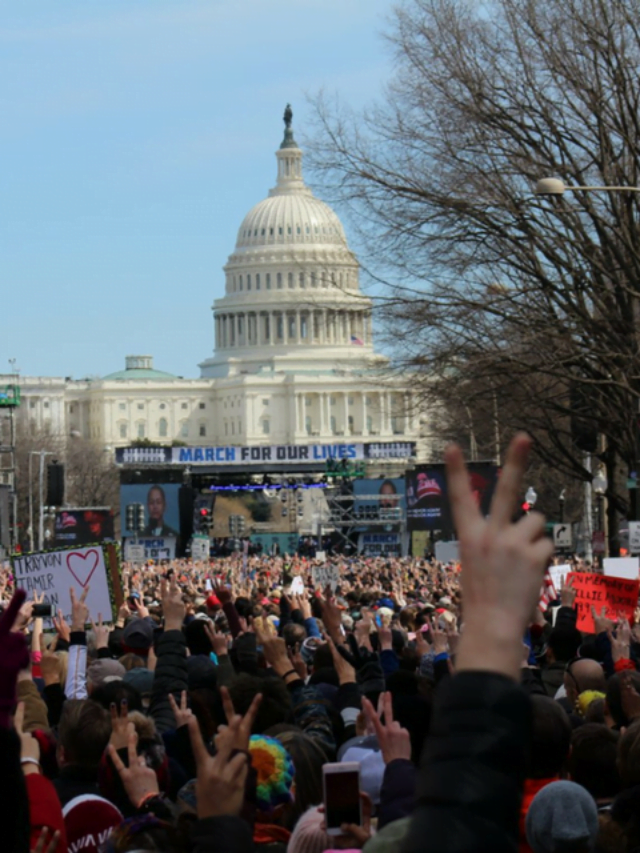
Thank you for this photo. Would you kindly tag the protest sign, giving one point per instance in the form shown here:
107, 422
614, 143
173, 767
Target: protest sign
618, 595
447, 552
326, 574
297, 586
558, 575
54, 573
621, 567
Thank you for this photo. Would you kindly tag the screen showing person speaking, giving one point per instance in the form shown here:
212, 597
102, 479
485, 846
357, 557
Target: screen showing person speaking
161, 510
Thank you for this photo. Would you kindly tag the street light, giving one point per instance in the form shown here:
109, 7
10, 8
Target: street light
531, 497
557, 187
554, 186
599, 485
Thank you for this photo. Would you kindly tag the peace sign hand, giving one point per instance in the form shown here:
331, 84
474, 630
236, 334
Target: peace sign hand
79, 610
220, 778
502, 564
243, 729
138, 779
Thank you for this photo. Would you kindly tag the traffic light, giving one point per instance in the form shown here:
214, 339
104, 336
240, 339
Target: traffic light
140, 517
525, 507
241, 524
204, 519
131, 516
55, 484
233, 528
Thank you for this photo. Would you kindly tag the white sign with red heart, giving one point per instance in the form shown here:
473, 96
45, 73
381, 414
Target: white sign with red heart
54, 573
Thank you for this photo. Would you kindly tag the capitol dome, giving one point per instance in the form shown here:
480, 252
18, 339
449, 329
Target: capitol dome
287, 218
292, 295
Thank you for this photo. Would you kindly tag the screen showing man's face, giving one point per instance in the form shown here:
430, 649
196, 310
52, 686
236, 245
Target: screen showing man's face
155, 505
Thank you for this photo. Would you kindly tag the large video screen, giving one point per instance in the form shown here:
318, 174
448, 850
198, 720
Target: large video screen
428, 500
161, 508
82, 526
380, 499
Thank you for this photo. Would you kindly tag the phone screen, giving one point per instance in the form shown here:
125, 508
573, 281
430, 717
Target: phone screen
342, 798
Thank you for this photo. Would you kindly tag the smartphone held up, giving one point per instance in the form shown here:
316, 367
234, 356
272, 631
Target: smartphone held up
342, 803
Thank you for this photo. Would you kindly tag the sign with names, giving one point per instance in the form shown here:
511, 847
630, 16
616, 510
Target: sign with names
617, 595
562, 538
55, 573
325, 574
621, 567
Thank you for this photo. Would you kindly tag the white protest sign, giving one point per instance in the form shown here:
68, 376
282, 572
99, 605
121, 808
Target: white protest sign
200, 548
54, 573
621, 567
634, 537
297, 586
447, 552
558, 575
326, 574
321, 555
135, 554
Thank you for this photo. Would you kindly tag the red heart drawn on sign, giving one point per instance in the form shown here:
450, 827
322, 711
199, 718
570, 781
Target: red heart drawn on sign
82, 566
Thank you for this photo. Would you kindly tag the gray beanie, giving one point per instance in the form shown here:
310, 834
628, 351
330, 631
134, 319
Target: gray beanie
561, 816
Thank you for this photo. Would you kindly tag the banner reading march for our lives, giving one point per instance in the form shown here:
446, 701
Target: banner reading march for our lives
54, 573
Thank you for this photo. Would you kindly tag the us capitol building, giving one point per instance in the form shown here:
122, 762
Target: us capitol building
293, 360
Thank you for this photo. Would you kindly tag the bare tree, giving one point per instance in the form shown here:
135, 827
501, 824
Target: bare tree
481, 278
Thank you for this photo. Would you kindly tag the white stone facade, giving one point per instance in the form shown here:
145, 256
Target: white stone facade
293, 361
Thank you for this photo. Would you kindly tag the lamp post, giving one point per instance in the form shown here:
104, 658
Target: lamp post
531, 497
599, 485
557, 187
561, 498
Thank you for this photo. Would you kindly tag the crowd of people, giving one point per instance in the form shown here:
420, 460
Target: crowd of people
202, 718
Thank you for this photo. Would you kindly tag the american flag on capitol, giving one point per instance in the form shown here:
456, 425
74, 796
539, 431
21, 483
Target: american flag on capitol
357, 341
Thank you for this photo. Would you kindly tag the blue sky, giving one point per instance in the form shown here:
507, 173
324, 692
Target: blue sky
134, 137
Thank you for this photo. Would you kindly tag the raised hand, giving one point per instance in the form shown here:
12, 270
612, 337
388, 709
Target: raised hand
45, 836
50, 663
567, 593
138, 779
600, 620
440, 639
79, 610
393, 740
220, 778
620, 641
182, 714
331, 616
274, 650
101, 633
172, 604
219, 641
62, 628
296, 661
502, 564
243, 730
121, 726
